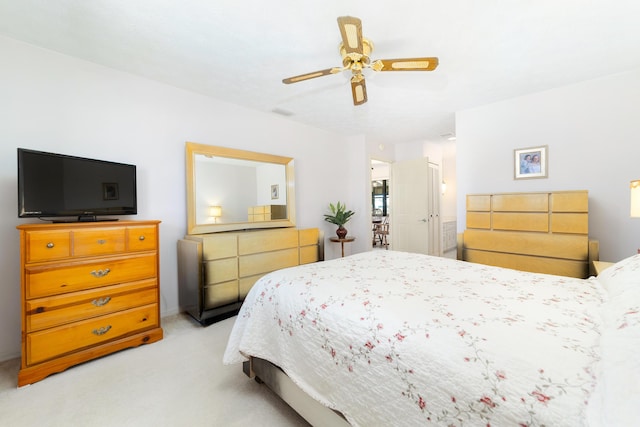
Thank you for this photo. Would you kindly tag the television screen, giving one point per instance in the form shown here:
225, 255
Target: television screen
58, 185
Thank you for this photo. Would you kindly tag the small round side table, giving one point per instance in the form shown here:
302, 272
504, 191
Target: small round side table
347, 239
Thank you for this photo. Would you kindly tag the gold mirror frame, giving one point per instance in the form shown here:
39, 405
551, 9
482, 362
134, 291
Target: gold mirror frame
193, 149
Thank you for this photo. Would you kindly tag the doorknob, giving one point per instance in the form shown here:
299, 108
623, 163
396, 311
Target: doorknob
423, 220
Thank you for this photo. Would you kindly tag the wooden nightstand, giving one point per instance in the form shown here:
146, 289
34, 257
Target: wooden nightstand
342, 241
600, 266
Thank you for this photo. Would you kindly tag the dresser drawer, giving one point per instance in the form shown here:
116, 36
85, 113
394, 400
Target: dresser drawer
219, 245
267, 240
309, 236
47, 245
142, 238
68, 308
99, 241
46, 280
309, 254
266, 262
220, 270
47, 344
220, 294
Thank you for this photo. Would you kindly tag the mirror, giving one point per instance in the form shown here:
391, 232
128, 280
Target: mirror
229, 189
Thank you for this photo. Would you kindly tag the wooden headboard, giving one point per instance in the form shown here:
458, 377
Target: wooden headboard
544, 232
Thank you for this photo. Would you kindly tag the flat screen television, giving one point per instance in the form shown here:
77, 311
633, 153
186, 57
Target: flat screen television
57, 185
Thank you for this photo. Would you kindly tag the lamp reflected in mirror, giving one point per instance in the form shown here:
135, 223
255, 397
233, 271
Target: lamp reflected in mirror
215, 212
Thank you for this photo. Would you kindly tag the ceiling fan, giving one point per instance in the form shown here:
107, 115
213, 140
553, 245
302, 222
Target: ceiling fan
355, 51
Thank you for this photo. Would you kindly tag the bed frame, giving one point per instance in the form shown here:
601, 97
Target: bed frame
542, 232
307, 407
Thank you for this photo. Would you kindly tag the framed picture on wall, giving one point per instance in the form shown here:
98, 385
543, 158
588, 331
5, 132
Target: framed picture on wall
531, 162
275, 191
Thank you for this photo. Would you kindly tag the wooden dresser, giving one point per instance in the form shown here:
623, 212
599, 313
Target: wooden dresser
542, 232
87, 290
217, 270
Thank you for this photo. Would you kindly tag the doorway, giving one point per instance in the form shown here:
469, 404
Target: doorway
416, 197
380, 204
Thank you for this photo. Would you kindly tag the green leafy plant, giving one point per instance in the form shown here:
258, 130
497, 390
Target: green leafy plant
339, 214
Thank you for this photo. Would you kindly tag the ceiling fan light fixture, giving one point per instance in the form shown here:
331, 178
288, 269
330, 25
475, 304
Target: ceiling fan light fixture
355, 51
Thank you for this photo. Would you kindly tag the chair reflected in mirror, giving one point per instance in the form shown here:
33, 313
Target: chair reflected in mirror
381, 232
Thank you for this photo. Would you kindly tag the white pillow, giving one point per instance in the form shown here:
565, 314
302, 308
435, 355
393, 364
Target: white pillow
622, 276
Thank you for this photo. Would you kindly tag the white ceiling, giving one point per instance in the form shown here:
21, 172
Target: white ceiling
239, 51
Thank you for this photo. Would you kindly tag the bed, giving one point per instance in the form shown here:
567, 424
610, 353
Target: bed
392, 338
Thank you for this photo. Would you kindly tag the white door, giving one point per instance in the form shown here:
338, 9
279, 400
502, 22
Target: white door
415, 218
435, 192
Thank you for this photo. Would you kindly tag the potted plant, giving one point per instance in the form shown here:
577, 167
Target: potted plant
339, 216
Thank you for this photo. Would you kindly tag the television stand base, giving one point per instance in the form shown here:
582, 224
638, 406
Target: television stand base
82, 218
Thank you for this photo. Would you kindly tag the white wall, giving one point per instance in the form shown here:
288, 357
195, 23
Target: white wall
55, 103
592, 130
448, 171
352, 160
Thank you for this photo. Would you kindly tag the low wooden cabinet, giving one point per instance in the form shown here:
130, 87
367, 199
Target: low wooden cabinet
217, 270
87, 290
266, 212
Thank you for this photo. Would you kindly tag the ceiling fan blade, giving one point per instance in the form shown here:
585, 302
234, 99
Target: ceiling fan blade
358, 89
312, 75
351, 31
405, 64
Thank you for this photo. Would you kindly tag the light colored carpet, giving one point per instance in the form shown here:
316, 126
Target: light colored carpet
178, 381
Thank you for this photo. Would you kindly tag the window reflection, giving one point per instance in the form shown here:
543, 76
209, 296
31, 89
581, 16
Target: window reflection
380, 198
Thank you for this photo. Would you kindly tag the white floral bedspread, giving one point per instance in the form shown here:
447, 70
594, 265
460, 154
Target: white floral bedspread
390, 339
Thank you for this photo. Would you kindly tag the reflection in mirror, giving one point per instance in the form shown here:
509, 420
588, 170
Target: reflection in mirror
237, 185
230, 189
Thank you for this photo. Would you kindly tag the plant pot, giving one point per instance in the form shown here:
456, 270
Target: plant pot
341, 232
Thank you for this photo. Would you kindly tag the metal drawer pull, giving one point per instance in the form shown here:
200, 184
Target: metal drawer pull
141, 238
101, 301
50, 245
102, 242
101, 331
100, 273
